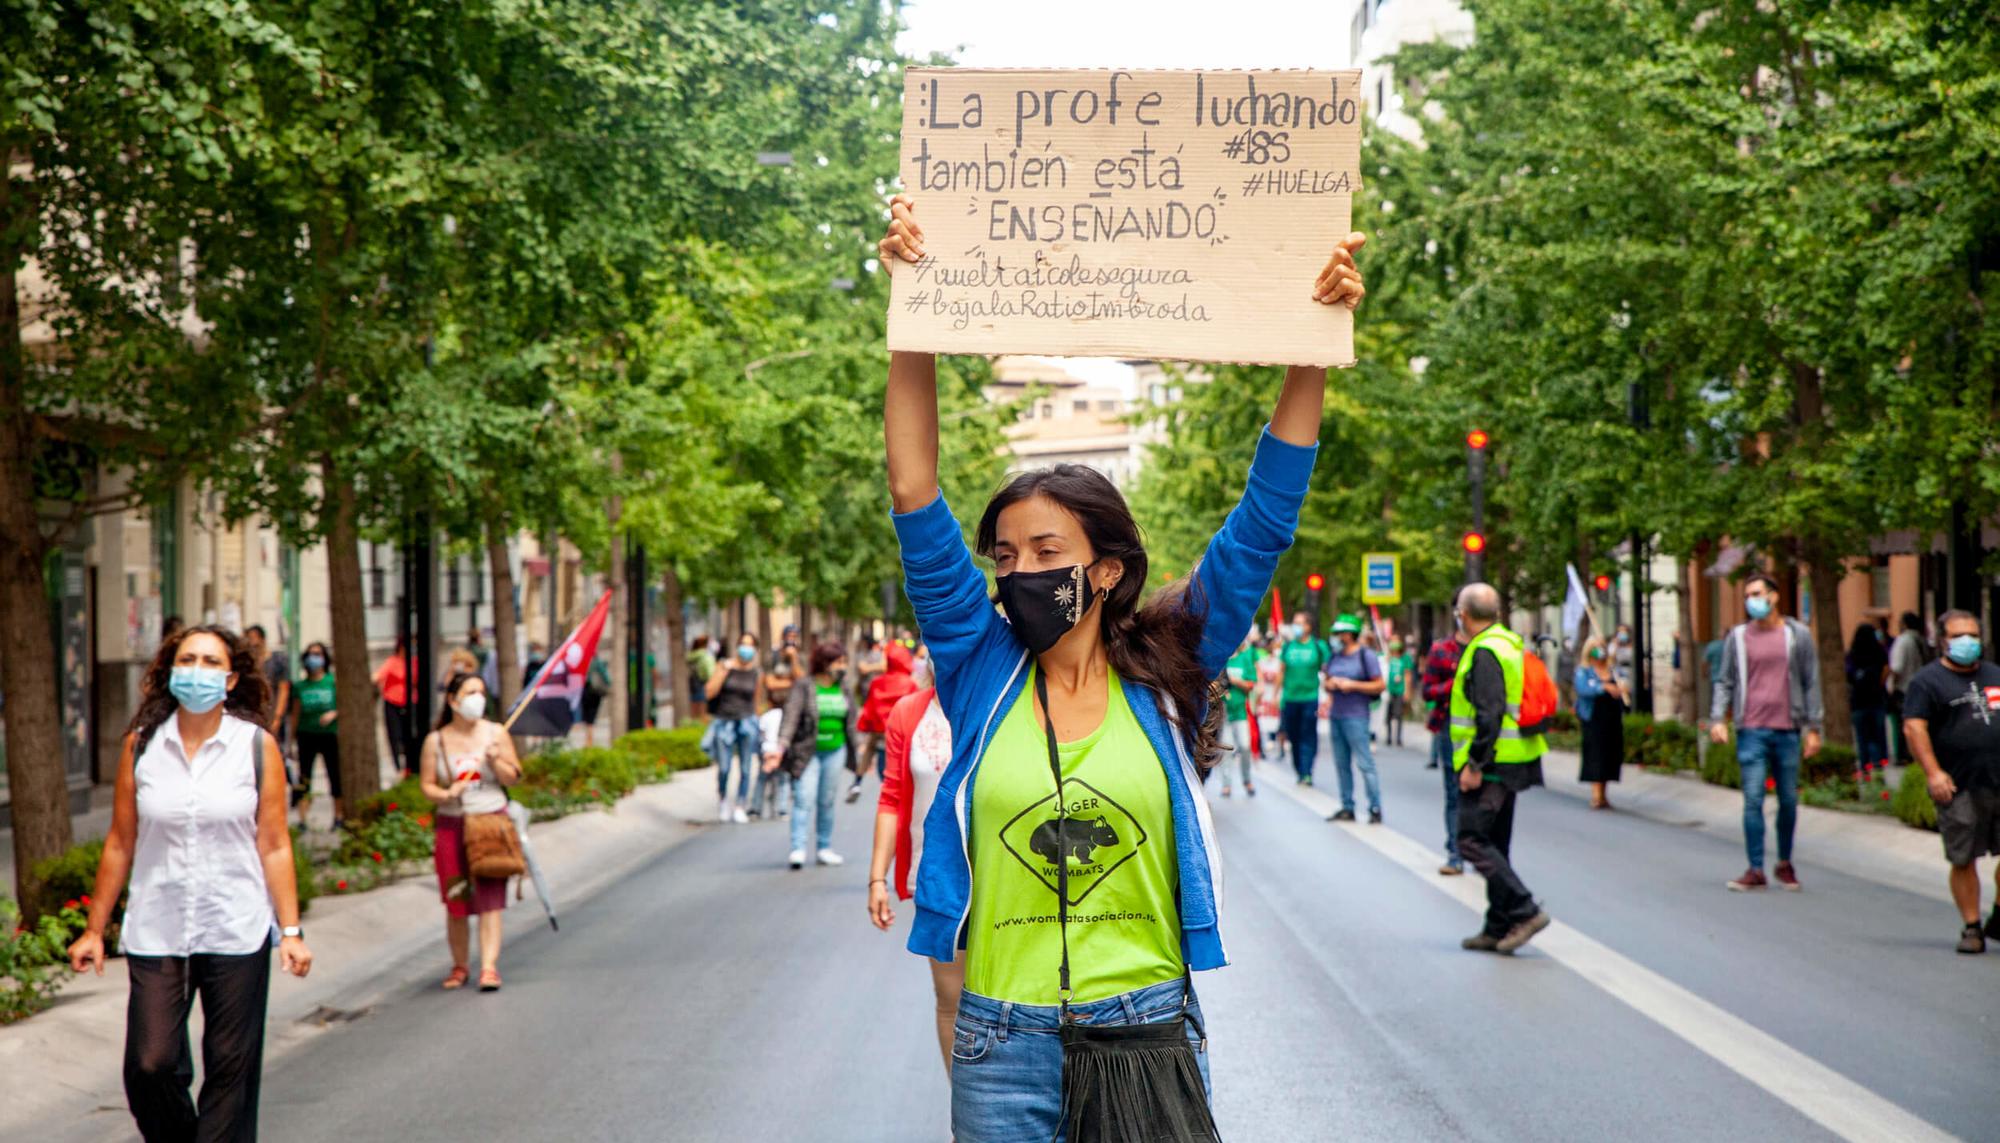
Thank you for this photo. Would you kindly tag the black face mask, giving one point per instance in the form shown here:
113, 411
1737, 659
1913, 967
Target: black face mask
1044, 605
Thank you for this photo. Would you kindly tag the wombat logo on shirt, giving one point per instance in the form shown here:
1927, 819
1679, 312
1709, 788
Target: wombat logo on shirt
1095, 836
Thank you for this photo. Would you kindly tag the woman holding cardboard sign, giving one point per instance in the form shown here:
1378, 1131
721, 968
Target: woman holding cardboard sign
1069, 851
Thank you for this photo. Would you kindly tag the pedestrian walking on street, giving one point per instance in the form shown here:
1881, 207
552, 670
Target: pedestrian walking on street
1400, 667
1269, 699
1239, 679
919, 749
392, 682
315, 714
1952, 722
1304, 656
869, 663
700, 664
1085, 722
198, 829
1440, 671
1600, 706
732, 736
277, 671
773, 784
1769, 684
466, 765
1868, 695
1910, 653
1353, 677
898, 680
814, 742
1496, 759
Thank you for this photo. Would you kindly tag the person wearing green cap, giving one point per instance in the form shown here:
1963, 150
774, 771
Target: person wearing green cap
1354, 675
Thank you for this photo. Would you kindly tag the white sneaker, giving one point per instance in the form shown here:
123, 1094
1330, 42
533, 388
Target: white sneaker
829, 857
722, 811
739, 817
798, 859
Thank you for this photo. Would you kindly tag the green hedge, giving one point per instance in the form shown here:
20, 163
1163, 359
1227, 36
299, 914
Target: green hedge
660, 753
34, 961
1912, 800
72, 876
556, 782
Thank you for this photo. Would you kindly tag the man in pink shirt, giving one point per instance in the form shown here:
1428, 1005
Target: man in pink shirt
1770, 686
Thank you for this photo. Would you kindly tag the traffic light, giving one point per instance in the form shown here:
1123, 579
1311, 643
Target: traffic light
1476, 439
1315, 584
1602, 583
1474, 543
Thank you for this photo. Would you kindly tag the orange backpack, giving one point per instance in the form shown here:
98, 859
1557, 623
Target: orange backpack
1539, 697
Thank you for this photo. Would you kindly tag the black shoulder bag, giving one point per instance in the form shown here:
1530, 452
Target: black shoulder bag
1128, 1082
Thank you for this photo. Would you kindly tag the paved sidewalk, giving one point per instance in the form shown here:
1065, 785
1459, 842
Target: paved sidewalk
60, 1070
1873, 847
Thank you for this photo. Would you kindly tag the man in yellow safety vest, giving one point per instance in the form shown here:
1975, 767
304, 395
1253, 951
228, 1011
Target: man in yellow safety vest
1495, 761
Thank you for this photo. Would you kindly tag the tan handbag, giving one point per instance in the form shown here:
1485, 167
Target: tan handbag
492, 848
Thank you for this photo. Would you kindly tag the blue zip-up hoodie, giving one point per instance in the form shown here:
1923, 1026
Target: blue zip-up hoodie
981, 669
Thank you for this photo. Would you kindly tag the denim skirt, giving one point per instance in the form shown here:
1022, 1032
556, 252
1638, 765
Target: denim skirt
1006, 1059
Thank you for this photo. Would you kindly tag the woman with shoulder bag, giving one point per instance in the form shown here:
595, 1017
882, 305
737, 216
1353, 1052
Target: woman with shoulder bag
1069, 850
815, 740
465, 767
198, 825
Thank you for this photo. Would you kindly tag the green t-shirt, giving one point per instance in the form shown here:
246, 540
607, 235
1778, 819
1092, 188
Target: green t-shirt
1303, 659
832, 718
1124, 891
1397, 671
315, 699
1242, 665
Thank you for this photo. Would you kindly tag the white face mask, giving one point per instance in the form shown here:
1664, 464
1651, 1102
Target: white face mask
472, 707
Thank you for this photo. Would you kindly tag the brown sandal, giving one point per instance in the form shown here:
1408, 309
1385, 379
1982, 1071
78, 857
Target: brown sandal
489, 980
459, 975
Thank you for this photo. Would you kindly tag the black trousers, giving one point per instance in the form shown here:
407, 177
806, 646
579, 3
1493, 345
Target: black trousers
399, 744
1485, 835
159, 1064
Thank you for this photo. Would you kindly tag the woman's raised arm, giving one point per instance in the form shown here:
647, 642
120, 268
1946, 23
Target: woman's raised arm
1302, 402
909, 413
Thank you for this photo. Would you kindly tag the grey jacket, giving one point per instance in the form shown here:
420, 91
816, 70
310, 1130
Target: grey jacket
798, 734
1808, 705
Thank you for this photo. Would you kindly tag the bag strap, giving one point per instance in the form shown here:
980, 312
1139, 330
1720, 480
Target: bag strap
1062, 856
257, 760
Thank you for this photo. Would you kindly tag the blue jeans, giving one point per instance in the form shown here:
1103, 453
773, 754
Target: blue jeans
1441, 754
1350, 748
817, 787
1768, 753
1871, 735
735, 740
1006, 1059
1300, 721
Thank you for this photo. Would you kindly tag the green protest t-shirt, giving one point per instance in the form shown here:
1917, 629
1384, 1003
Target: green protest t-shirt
1399, 669
1303, 659
1118, 841
315, 699
832, 718
1242, 665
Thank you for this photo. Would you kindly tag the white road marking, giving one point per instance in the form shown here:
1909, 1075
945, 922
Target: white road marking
1821, 1094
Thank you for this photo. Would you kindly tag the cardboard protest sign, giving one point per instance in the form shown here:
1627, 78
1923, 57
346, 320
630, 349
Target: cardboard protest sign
1172, 215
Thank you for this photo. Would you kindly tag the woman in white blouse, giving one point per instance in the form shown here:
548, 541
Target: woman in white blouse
198, 826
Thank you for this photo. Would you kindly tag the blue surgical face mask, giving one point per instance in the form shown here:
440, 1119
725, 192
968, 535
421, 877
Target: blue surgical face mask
1963, 649
315, 662
199, 689
1294, 631
746, 652
1759, 606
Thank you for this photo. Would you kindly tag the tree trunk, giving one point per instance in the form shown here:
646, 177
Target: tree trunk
1691, 705
35, 780
764, 643
1825, 576
360, 769
674, 658
621, 618
506, 639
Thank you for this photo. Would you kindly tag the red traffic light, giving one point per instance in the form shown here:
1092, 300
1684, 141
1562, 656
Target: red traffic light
1476, 438
1315, 581
1603, 582
1473, 543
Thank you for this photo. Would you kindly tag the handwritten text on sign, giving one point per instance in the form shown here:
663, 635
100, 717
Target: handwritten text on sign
1178, 215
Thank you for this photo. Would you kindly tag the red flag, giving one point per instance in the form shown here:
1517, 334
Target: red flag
552, 702
1277, 611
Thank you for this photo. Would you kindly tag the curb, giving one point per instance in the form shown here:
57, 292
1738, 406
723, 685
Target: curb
60, 1071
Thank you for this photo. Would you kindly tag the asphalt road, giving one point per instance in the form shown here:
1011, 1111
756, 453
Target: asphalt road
716, 995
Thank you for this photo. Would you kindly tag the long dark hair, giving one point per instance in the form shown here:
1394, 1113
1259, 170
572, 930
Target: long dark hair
246, 700
1155, 644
